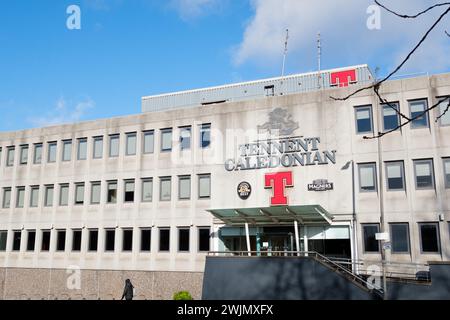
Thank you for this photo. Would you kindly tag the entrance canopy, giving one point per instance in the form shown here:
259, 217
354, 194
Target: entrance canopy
279, 215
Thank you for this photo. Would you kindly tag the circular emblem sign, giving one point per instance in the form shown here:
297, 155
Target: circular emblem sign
244, 190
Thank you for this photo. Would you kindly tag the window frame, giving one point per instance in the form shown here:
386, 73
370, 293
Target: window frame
203, 128
438, 237
125, 183
40, 147
185, 129
108, 184
111, 138
46, 195
421, 161
373, 165
441, 111
363, 225
44, 232
5, 190
145, 134
446, 183
414, 125
402, 171
14, 241
80, 232
149, 229
160, 229
180, 229
31, 231
184, 177
90, 233
24, 147
95, 140
143, 181
80, 142
383, 105
66, 144
10, 156
129, 135
106, 250
199, 229
34, 188
359, 108
50, 156
200, 176
58, 232
162, 133
125, 230
161, 180
77, 185
408, 237
19, 191
96, 184
61, 186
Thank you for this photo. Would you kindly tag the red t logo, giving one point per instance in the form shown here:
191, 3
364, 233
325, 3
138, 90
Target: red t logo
278, 182
343, 78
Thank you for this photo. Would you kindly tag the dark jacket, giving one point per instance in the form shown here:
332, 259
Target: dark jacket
128, 291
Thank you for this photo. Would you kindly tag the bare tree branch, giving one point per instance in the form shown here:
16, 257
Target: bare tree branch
422, 40
385, 102
405, 16
401, 125
448, 35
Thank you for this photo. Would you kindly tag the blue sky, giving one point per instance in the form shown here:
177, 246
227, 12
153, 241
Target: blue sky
130, 48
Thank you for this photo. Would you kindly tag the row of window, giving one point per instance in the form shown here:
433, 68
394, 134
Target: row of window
391, 117
183, 239
395, 175
129, 190
131, 140
400, 240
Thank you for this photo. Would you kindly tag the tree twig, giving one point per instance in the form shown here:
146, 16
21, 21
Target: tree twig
405, 16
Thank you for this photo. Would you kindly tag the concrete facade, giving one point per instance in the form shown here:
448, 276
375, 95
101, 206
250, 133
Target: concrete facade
232, 124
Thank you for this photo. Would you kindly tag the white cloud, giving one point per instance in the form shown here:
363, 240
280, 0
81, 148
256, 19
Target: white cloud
344, 32
63, 112
188, 9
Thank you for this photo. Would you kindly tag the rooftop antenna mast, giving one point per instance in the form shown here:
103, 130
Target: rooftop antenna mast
285, 51
319, 56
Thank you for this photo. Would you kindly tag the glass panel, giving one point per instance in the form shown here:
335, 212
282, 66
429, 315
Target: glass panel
417, 108
185, 188
37, 154
114, 146
127, 241
204, 239
204, 186
82, 149
149, 141
31, 240
17, 237
24, 155
183, 240
79, 194
3, 239
429, 237
146, 239
164, 239
129, 191
61, 240
6, 198
67, 151
131, 144
185, 138
10, 157
76, 240
166, 140
367, 175
165, 192
64, 195
147, 190
424, 174
205, 135
110, 240
395, 176
370, 243
390, 117
447, 172
112, 192
20, 197
93, 240
445, 119
363, 120
45, 241
48, 196
400, 238
98, 147
95, 193
52, 152
34, 197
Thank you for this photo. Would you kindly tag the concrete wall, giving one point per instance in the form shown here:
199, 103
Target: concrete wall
274, 278
37, 284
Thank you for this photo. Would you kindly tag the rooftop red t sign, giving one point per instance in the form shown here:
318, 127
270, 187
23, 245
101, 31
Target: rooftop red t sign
343, 78
278, 182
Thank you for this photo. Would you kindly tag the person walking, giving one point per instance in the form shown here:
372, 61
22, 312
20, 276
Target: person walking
128, 291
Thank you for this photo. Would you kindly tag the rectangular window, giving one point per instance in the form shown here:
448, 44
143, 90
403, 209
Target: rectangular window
37, 157
79, 193
424, 174
204, 239
48, 196
67, 150
64, 195
391, 118
98, 148
61, 240
17, 237
184, 187
205, 135
165, 189
164, 239
129, 191
20, 197
166, 139
183, 239
204, 186
114, 141
447, 172
131, 144
82, 149
149, 141
367, 177
127, 241
146, 238
112, 192
31, 240
400, 237
147, 190
34, 197
3, 239
110, 236
24, 154
95, 192
45, 244
6, 198
429, 237
1, 155
269, 91
395, 174
52, 148
444, 106
363, 117
185, 138
76, 240
370, 243
93, 240
417, 112
10, 156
